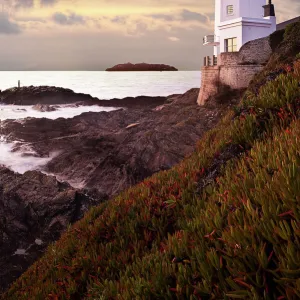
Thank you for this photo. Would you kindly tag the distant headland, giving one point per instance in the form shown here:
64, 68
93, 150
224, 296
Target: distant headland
142, 67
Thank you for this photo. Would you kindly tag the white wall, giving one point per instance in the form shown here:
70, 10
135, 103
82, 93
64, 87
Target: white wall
231, 32
255, 32
274, 23
217, 22
242, 8
252, 8
217, 15
247, 22
236, 9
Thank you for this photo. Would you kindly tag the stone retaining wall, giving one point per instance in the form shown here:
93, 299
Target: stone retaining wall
209, 77
235, 69
252, 53
236, 76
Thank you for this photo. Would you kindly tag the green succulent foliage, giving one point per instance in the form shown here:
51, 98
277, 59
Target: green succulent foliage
195, 232
292, 30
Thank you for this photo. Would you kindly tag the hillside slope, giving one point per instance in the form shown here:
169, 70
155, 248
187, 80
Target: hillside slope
223, 224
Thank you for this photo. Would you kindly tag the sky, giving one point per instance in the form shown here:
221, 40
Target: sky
97, 34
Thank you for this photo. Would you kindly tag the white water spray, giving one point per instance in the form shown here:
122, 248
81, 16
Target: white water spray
19, 156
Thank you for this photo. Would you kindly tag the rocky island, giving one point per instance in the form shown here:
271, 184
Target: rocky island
142, 67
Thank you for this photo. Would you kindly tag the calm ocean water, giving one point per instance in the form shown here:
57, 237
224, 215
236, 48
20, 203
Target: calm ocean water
108, 85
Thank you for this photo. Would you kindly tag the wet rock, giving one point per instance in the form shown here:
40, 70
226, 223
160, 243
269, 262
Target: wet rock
44, 108
30, 204
104, 153
110, 151
50, 95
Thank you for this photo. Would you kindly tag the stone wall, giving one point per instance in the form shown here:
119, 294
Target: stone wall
236, 76
235, 69
252, 53
239, 76
209, 77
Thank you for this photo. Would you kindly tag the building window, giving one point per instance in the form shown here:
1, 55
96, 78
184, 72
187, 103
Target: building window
231, 45
230, 10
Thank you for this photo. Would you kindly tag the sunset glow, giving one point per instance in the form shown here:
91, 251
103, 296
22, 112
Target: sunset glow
109, 32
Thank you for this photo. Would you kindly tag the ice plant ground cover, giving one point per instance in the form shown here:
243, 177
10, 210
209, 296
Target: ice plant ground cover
223, 224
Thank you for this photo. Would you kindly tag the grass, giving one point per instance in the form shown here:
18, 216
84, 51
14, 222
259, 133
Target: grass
223, 224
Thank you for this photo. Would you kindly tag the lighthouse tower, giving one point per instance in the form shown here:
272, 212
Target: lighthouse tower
240, 21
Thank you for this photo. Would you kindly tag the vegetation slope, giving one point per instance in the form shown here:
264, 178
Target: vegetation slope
223, 224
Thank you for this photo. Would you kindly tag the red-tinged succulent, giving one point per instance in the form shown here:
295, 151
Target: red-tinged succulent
220, 224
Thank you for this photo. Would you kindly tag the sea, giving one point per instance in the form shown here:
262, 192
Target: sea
103, 85
108, 85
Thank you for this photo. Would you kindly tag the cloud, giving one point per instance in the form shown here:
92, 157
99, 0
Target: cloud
182, 18
174, 39
163, 17
7, 26
22, 4
137, 29
48, 2
119, 19
109, 32
68, 19
27, 4
188, 15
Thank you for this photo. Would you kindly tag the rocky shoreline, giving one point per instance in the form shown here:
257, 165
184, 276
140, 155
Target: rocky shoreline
50, 95
99, 155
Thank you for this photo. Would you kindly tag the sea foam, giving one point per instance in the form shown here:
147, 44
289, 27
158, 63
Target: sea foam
24, 158
63, 111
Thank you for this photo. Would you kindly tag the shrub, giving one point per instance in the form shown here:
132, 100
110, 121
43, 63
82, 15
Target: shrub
291, 31
225, 95
276, 38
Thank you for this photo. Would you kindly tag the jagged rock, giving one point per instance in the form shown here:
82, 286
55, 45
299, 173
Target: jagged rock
97, 151
43, 107
34, 210
33, 95
106, 152
50, 95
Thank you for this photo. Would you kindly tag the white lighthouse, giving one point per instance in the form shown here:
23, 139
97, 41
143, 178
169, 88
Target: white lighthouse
240, 21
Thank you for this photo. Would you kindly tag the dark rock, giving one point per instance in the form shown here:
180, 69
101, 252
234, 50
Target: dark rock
142, 67
49, 95
33, 95
102, 152
44, 107
34, 210
107, 152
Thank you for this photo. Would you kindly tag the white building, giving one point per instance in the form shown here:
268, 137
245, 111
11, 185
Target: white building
240, 21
